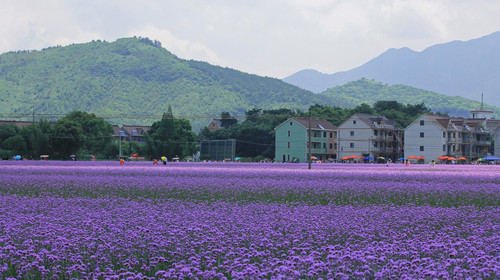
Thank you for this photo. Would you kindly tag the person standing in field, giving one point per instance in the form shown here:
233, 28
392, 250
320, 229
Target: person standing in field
407, 163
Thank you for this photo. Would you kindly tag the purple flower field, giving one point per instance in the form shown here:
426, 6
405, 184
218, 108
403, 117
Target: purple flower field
100, 220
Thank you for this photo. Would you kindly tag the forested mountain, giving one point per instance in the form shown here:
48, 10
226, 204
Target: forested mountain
131, 79
456, 69
135, 80
370, 91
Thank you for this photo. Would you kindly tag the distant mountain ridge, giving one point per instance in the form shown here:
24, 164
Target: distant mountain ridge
457, 68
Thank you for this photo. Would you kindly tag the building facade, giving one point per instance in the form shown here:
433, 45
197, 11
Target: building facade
132, 133
369, 136
292, 140
435, 136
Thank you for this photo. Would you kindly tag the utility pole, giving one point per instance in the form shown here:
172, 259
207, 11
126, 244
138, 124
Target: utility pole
120, 142
310, 141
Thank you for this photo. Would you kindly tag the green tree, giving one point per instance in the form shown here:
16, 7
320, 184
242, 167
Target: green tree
15, 144
227, 121
37, 142
67, 138
7, 131
170, 137
364, 108
96, 132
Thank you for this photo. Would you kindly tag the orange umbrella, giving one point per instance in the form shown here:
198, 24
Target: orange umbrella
345, 158
412, 157
353, 156
452, 158
461, 158
443, 158
420, 157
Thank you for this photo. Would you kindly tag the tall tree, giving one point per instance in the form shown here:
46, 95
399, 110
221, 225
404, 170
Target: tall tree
170, 137
67, 138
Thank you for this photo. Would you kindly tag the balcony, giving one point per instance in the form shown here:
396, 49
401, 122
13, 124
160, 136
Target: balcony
468, 140
483, 143
454, 140
382, 138
319, 151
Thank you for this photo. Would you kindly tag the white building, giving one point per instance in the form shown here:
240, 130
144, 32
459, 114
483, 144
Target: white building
427, 137
369, 135
434, 136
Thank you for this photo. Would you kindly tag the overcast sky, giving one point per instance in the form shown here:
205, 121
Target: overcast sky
273, 38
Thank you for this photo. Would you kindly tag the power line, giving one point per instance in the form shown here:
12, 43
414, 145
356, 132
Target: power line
160, 117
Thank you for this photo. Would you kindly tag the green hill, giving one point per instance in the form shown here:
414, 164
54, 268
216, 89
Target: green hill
370, 91
131, 80
134, 80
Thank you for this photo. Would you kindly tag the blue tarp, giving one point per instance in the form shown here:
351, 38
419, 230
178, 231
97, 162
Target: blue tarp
491, 158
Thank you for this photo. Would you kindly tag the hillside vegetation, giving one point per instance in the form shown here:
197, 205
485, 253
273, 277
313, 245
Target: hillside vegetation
133, 79
370, 91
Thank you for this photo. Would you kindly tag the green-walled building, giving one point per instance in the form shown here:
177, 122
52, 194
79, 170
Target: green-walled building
292, 140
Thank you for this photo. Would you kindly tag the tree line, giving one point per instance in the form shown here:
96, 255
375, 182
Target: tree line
255, 136
83, 134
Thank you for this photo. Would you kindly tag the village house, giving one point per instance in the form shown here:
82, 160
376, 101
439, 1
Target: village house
369, 136
132, 133
292, 139
433, 136
217, 124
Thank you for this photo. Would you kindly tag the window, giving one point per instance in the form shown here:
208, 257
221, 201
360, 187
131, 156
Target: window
354, 122
324, 145
315, 134
351, 145
289, 133
291, 123
324, 134
352, 133
421, 148
444, 134
375, 132
421, 135
288, 145
331, 146
422, 122
375, 144
288, 157
331, 134
444, 147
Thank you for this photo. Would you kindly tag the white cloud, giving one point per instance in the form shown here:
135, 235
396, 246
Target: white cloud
38, 24
266, 37
180, 47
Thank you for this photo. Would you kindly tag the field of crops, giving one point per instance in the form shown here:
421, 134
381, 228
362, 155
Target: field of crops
101, 220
